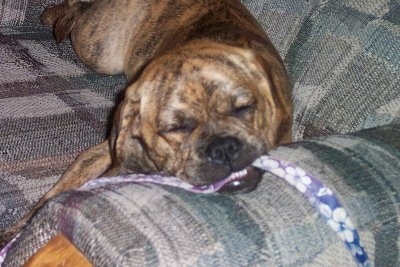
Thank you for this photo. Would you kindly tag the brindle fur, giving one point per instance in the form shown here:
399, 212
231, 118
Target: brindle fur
197, 69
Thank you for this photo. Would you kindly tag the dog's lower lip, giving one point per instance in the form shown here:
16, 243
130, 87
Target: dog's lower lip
242, 181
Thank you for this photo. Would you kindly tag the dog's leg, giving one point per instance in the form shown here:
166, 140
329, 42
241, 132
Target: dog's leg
90, 164
63, 17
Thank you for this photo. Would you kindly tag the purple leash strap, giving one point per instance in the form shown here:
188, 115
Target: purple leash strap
322, 198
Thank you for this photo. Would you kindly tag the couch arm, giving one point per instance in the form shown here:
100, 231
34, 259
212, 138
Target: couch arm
147, 225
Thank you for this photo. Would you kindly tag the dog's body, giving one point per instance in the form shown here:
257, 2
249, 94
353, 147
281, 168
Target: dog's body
208, 91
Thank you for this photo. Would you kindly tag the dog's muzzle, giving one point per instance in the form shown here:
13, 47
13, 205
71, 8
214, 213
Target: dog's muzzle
226, 151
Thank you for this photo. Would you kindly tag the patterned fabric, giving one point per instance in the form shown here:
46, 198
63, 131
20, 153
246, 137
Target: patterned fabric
323, 199
343, 61
12, 13
149, 225
343, 58
319, 195
51, 108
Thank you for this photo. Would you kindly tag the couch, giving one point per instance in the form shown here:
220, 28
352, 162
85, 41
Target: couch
343, 59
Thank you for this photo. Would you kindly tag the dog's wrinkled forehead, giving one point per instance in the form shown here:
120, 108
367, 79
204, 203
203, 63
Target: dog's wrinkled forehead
190, 99
200, 84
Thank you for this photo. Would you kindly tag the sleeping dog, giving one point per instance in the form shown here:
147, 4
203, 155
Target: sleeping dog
208, 92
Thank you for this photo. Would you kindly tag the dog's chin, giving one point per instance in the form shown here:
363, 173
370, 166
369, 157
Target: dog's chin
243, 181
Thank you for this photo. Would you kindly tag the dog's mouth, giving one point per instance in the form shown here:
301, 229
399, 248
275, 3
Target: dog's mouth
242, 181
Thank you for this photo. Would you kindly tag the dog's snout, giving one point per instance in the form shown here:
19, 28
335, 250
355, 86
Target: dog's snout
223, 150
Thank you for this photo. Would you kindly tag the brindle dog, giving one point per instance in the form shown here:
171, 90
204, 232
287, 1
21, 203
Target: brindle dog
208, 92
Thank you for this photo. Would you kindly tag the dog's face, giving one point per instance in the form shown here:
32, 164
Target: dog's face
200, 115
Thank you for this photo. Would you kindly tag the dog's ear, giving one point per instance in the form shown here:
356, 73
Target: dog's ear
63, 17
279, 96
126, 126
128, 148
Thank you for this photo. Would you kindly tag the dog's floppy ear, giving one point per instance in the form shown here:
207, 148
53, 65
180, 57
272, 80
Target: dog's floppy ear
127, 146
106, 157
279, 95
63, 17
126, 125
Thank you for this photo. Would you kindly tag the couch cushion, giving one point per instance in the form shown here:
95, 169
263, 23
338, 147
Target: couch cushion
146, 225
51, 108
343, 58
12, 13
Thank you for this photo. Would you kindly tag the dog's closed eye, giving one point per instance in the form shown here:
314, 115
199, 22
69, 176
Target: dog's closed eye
179, 129
186, 126
242, 104
242, 111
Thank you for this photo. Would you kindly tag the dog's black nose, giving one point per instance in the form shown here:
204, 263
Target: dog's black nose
223, 150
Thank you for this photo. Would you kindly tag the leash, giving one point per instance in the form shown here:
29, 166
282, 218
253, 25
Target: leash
319, 195
322, 198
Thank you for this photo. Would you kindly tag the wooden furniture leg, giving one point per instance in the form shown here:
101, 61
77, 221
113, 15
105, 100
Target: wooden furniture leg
59, 251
